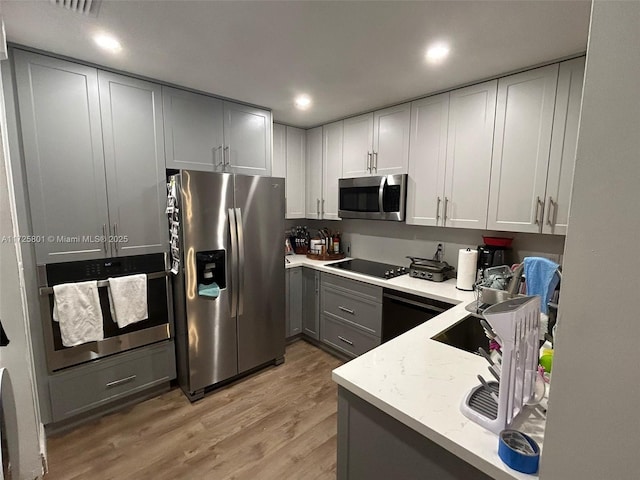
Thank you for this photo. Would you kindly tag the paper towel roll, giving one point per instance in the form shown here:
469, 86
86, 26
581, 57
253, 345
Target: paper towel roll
467, 265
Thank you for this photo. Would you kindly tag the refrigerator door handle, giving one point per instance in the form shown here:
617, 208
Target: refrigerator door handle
241, 261
234, 262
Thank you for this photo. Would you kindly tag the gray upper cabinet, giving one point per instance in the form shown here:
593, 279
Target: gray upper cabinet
247, 140
94, 154
62, 140
193, 127
208, 134
295, 182
135, 163
521, 144
564, 139
279, 168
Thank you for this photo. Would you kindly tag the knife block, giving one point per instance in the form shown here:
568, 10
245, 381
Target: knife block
516, 323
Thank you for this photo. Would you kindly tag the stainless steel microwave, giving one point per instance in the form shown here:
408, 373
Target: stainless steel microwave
375, 198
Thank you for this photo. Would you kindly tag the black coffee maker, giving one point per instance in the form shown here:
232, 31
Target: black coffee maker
492, 256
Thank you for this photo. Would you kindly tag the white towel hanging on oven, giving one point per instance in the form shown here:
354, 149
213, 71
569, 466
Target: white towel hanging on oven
76, 307
128, 299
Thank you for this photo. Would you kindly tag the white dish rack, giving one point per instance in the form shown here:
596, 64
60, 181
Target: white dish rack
516, 323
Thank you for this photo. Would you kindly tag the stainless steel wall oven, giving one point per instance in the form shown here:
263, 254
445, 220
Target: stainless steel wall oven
157, 327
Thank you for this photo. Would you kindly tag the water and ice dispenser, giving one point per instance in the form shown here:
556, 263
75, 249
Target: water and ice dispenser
210, 266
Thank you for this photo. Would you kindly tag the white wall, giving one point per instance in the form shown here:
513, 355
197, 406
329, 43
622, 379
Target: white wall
391, 242
16, 357
593, 424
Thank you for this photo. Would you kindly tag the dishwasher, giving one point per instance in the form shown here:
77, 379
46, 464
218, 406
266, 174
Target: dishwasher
402, 311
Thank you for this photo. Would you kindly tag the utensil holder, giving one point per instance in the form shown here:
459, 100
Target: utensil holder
517, 323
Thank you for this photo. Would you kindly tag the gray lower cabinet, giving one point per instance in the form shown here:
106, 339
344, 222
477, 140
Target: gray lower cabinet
94, 155
376, 446
294, 301
81, 389
311, 303
352, 310
348, 339
62, 142
193, 125
351, 315
134, 163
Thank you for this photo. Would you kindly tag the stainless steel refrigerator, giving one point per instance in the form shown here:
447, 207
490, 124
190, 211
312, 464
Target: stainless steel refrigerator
229, 290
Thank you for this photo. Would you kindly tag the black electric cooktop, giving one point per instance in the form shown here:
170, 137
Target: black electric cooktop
373, 269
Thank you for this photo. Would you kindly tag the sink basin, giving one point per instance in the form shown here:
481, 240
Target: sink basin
466, 335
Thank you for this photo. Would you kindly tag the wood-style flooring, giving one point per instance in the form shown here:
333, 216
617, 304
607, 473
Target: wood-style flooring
277, 424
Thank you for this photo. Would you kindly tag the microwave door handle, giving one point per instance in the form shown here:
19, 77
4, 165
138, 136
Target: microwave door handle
383, 184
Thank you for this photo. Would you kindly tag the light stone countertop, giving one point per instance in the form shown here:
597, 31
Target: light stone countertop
443, 291
421, 382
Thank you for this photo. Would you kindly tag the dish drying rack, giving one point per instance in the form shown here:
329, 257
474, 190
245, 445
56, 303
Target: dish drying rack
495, 405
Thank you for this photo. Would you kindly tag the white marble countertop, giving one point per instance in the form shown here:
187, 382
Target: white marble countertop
421, 382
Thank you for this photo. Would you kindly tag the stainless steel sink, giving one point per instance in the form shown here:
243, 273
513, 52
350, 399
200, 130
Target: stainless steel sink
466, 335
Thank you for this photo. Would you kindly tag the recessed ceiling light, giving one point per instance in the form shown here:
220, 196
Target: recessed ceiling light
437, 52
107, 42
303, 102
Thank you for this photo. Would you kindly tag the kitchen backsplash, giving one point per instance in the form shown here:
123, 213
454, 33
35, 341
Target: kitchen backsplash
392, 242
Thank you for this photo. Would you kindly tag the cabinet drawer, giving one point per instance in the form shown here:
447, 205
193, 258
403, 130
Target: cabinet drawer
346, 338
83, 388
370, 292
353, 310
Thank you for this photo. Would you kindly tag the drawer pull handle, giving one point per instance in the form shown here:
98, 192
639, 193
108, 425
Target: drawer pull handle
345, 340
115, 383
345, 309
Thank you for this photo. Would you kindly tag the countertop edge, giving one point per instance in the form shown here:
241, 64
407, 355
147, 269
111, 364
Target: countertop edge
459, 451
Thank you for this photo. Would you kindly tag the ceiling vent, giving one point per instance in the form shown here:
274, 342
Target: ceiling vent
85, 7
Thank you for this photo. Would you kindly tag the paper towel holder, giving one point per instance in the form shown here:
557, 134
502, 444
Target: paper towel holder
466, 276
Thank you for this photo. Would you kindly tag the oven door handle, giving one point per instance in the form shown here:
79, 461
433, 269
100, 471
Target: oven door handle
105, 283
425, 306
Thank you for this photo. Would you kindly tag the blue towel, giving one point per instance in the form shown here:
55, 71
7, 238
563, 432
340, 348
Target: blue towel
542, 279
212, 290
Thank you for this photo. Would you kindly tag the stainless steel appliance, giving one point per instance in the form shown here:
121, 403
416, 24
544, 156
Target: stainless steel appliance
374, 198
402, 312
154, 329
230, 238
430, 269
373, 269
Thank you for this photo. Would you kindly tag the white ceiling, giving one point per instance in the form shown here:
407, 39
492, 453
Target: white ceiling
350, 57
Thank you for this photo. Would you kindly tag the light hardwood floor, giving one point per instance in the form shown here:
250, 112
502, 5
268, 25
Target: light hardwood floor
278, 424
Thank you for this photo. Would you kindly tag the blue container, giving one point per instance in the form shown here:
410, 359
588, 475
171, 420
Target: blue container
519, 451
